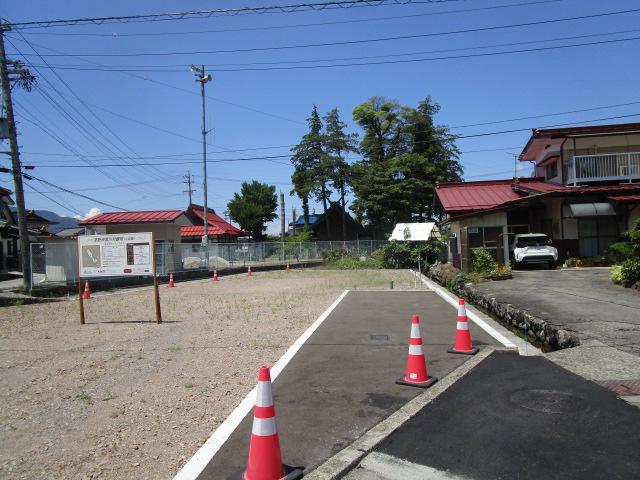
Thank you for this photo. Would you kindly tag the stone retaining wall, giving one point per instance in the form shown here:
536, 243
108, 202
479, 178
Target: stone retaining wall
537, 330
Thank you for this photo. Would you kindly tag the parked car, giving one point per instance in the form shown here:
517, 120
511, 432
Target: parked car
533, 249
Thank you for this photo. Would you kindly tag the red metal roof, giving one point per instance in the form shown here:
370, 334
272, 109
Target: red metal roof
198, 231
612, 128
149, 216
217, 226
540, 138
625, 198
468, 196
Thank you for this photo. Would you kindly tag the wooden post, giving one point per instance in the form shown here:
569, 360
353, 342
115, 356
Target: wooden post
156, 293
156, 298
80, 300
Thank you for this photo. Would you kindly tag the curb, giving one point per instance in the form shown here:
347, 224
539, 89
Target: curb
347, 459
507, 338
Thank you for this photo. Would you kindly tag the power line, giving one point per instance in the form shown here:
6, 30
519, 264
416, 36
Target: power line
66, 207
455, 137
355, 42
173, 87
71, 192
299, 25
77, 97
155, 17
168, 67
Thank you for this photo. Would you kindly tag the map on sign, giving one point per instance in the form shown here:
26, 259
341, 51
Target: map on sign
115, 255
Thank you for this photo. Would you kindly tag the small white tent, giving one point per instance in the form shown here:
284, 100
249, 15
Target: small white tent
415, 232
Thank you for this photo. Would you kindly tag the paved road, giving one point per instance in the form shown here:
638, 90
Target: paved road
341, 382
581, 300
519, 418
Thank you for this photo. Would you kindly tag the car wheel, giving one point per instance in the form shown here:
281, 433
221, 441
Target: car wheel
552, 265
517, 265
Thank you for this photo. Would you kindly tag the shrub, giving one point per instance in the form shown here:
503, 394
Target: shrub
482, 262
630, 271
351, 263
401, 254
343, 260
616, 274
332, 255
501, 272
572, 262
620, 251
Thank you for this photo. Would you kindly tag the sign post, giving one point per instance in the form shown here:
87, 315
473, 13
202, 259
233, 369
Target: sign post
156, 293
117, 255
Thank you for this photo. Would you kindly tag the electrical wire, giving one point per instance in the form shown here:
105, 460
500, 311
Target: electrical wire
71, 192
167, 67
355, 42
155, 17
44, 194
299, 25
152, 171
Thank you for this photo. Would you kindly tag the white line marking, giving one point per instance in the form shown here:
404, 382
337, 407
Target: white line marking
453, 301
205, 453
392, 468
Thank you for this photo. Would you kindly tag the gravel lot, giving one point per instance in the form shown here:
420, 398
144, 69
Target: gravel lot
123, 397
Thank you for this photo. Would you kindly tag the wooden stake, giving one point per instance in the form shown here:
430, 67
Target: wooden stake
156, 293
156, 297
81, 301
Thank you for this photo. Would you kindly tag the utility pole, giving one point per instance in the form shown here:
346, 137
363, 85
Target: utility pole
202, 78
188, 179
282, 219
15, 153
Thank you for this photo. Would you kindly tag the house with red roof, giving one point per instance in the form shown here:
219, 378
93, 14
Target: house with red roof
584, 192
218, 230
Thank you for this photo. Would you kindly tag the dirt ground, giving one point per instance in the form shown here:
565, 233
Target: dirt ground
122, 397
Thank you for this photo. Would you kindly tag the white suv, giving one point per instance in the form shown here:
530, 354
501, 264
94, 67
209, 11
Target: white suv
533, 248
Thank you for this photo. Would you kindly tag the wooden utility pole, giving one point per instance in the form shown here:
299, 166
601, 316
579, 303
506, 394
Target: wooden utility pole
15, 160
282, 218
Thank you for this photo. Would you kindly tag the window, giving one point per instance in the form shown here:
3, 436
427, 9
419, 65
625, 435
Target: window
489, 237
552, 170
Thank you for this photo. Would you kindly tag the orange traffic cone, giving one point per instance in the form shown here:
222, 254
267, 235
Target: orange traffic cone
416, 374
171, 282
249, 274
463, 336
265, 459
87, 293
215, 276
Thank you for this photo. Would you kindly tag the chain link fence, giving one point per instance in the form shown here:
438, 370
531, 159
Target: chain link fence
56, 262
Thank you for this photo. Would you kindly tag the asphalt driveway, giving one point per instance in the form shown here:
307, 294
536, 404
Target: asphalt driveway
582, 300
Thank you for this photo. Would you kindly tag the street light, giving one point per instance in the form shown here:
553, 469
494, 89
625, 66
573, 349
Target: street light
203, 79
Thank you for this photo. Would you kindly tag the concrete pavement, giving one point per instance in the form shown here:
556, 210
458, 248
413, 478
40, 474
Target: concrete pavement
582, 300
341, 382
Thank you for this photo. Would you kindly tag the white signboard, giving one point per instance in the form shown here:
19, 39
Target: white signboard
118, 255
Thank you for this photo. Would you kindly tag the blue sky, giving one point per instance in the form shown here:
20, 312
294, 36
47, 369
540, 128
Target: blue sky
249, 110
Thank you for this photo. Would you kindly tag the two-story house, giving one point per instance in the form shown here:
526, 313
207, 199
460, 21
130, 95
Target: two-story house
584, 192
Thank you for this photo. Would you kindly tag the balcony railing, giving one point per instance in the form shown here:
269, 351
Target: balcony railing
602, 167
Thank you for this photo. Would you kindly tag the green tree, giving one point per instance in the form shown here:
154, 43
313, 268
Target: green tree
337, 145
404, 156
312, 167
253, 207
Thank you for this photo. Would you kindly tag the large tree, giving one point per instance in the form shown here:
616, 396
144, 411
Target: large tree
405, 154
312, 167
338, 144
253, 207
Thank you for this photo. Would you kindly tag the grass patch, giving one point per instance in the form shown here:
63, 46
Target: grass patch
83, 397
